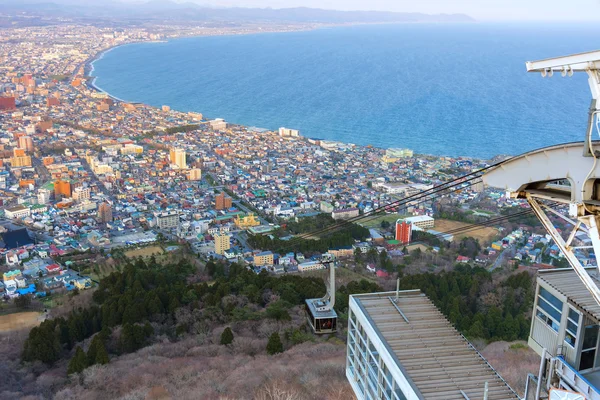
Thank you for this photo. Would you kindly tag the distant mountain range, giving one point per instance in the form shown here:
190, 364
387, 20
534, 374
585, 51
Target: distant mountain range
158, 10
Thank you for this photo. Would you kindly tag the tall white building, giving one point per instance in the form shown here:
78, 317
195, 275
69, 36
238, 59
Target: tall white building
81, 193
401, 347
167, 220
43, 196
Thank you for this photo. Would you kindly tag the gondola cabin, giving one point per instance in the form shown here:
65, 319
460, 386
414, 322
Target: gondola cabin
321, 317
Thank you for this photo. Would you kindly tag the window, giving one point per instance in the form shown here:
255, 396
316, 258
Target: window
551, 298
572, 326
547, 320
549, 309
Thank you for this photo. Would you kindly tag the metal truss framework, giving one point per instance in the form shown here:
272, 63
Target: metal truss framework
565, 246
563, 175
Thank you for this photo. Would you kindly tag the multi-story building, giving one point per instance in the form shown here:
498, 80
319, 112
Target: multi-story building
177, 157
17, 212
194, 174
223, 202
421, 222
403, 231
81, 193
392, 155
105, 213
400, 346
263, 258
43, 196
222, 243
131, 148
167, 220
289, 132
62, 189
345, 213
310, 266
218, 124
26, 143
20, 159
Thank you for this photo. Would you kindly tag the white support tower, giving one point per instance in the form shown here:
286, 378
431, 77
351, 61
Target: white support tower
562, 176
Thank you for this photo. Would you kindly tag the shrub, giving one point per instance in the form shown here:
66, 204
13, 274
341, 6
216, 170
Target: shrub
274, 345
227, 337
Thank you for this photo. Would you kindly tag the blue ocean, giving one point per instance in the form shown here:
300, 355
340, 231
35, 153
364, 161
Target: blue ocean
443, 89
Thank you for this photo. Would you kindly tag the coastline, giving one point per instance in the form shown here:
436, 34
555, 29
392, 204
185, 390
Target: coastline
91, 80
89, 64
88, 69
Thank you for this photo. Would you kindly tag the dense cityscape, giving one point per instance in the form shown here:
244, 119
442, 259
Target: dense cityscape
212, 224
85, 171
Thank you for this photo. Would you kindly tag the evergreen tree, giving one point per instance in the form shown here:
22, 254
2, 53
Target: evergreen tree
274, 345
278, 311
97, 353
78, 363
227, 337
101, 354
92, 351
476, 331
42, 344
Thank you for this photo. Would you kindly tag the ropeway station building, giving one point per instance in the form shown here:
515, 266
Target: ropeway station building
401, 347
565, 332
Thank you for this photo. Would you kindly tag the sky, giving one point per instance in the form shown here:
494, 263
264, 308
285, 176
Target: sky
484, 10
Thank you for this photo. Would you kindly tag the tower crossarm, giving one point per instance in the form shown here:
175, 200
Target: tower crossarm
567, 65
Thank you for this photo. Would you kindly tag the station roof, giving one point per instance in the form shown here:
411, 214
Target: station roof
437, 360
566, 282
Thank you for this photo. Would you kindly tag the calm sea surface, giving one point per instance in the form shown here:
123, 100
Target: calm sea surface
438, 89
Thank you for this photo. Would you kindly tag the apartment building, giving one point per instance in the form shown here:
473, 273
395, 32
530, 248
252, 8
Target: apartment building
167, 220
222, 243
263, 258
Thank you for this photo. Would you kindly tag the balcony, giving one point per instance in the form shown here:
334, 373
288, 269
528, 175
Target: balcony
584, 383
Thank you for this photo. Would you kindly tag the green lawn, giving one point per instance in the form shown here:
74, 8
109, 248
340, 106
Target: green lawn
375, 222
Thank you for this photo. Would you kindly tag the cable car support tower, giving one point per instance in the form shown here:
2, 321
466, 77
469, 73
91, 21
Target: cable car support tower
566, 175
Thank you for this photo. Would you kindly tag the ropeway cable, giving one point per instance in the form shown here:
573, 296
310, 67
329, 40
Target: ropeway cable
473, 226
380, 210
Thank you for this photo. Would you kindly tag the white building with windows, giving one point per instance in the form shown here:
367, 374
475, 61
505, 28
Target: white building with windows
17, 212
81, 193
566, 324
289, 132
423, 222
401, 347
167, 220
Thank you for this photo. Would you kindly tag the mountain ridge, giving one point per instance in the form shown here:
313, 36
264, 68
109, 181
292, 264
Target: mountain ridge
159, 10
